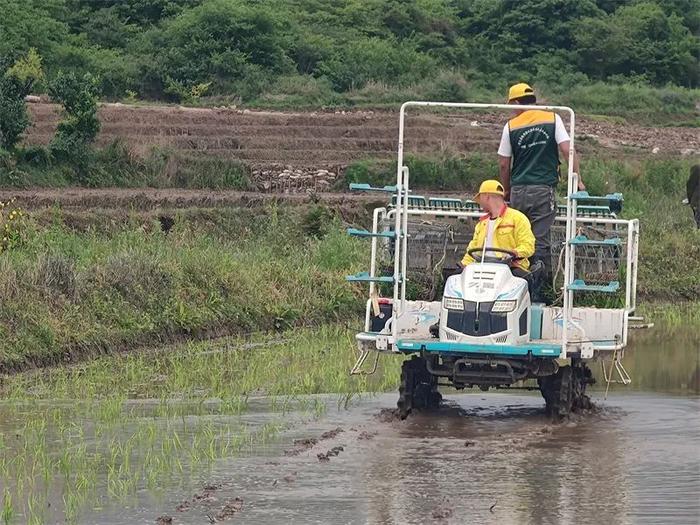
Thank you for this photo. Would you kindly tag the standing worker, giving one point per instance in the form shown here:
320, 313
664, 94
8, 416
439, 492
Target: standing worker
528, 159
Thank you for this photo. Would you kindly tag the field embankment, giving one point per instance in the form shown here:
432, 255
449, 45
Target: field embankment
76, 285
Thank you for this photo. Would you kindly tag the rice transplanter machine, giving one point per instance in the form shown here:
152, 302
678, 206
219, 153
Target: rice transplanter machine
485, 331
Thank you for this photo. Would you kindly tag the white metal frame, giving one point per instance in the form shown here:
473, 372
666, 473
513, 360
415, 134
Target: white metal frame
632, 248
401, 211
402, 190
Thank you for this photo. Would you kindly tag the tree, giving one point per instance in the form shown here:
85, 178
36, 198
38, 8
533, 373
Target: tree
16, 82
79, 128
639, 39
223, 42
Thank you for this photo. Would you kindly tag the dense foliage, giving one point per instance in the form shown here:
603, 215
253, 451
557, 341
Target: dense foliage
183, 49
79, 128
71, 149
16, 81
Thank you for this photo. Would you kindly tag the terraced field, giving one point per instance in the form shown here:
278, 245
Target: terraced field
334, 139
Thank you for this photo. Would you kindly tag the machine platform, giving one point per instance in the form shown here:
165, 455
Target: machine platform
534, 348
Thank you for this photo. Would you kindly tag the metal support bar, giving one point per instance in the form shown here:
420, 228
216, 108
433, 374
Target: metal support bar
616, 366
357, 369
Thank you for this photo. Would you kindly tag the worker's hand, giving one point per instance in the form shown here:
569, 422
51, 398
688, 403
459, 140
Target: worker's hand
581, 185
460, 265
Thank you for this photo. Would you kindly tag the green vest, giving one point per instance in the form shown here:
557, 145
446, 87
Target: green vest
535, 149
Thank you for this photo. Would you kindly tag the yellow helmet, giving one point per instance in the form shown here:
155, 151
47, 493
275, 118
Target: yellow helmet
490, 186
519, 90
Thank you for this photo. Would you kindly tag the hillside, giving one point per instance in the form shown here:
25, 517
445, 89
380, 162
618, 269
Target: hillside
632, 57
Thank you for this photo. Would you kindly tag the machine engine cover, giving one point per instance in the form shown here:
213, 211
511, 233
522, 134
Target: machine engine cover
481, 288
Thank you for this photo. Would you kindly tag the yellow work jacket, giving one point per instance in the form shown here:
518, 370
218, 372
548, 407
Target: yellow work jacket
512, 232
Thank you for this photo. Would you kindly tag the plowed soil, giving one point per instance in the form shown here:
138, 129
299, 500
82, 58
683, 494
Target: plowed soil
333, 139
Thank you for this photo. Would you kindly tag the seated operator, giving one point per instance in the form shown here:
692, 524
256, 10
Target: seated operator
502, 228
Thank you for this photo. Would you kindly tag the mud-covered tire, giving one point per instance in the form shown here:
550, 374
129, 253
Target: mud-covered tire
557, 392
418, 389
582, 377
565, 391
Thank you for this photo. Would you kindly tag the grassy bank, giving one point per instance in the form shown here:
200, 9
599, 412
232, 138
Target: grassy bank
81, 283
639, 104
68, 291
301, 361
653, 190
117, 166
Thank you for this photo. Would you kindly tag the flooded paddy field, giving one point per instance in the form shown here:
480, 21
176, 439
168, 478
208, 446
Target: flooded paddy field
241, 433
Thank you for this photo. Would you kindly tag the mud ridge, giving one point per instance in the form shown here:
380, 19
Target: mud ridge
266, 137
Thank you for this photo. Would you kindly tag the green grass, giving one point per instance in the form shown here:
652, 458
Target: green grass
618, 102
65, 293
75, 436
300, 361
117, 166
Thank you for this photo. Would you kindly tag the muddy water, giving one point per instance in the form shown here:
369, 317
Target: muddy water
483, 458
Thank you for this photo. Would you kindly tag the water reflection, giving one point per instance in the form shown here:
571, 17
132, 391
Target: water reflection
624, 464
663, 359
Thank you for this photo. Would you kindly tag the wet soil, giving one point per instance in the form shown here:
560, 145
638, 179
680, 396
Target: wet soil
481, 458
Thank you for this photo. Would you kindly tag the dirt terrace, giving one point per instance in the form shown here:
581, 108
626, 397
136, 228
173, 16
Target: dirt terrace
150, 199
334, 139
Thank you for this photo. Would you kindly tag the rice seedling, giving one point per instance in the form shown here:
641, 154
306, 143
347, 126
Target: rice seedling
8, 510
163, 415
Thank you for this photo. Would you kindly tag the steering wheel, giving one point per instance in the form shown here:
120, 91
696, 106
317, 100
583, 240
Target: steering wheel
511, 255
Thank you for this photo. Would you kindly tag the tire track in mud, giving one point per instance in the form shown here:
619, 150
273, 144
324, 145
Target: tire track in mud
303, 461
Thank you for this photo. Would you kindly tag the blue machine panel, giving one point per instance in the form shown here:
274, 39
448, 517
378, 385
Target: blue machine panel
537, 349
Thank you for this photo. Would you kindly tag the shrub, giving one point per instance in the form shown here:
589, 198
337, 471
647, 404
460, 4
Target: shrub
12, 225
79, 128
317, 221
449, 86
16, 81
37, 156
371, 59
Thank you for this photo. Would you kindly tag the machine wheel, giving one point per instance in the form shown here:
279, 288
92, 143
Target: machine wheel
582, 377
418, 388
565, 391
557, 392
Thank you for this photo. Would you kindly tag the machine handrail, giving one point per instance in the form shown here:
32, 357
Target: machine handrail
572, 186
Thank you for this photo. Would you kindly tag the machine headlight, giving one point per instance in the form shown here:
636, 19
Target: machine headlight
503, 307
452, 303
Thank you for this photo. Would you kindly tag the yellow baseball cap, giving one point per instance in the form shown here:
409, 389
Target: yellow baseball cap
519, 90
490, 186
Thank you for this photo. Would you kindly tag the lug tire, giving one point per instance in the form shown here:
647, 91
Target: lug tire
418, 389
565, 391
